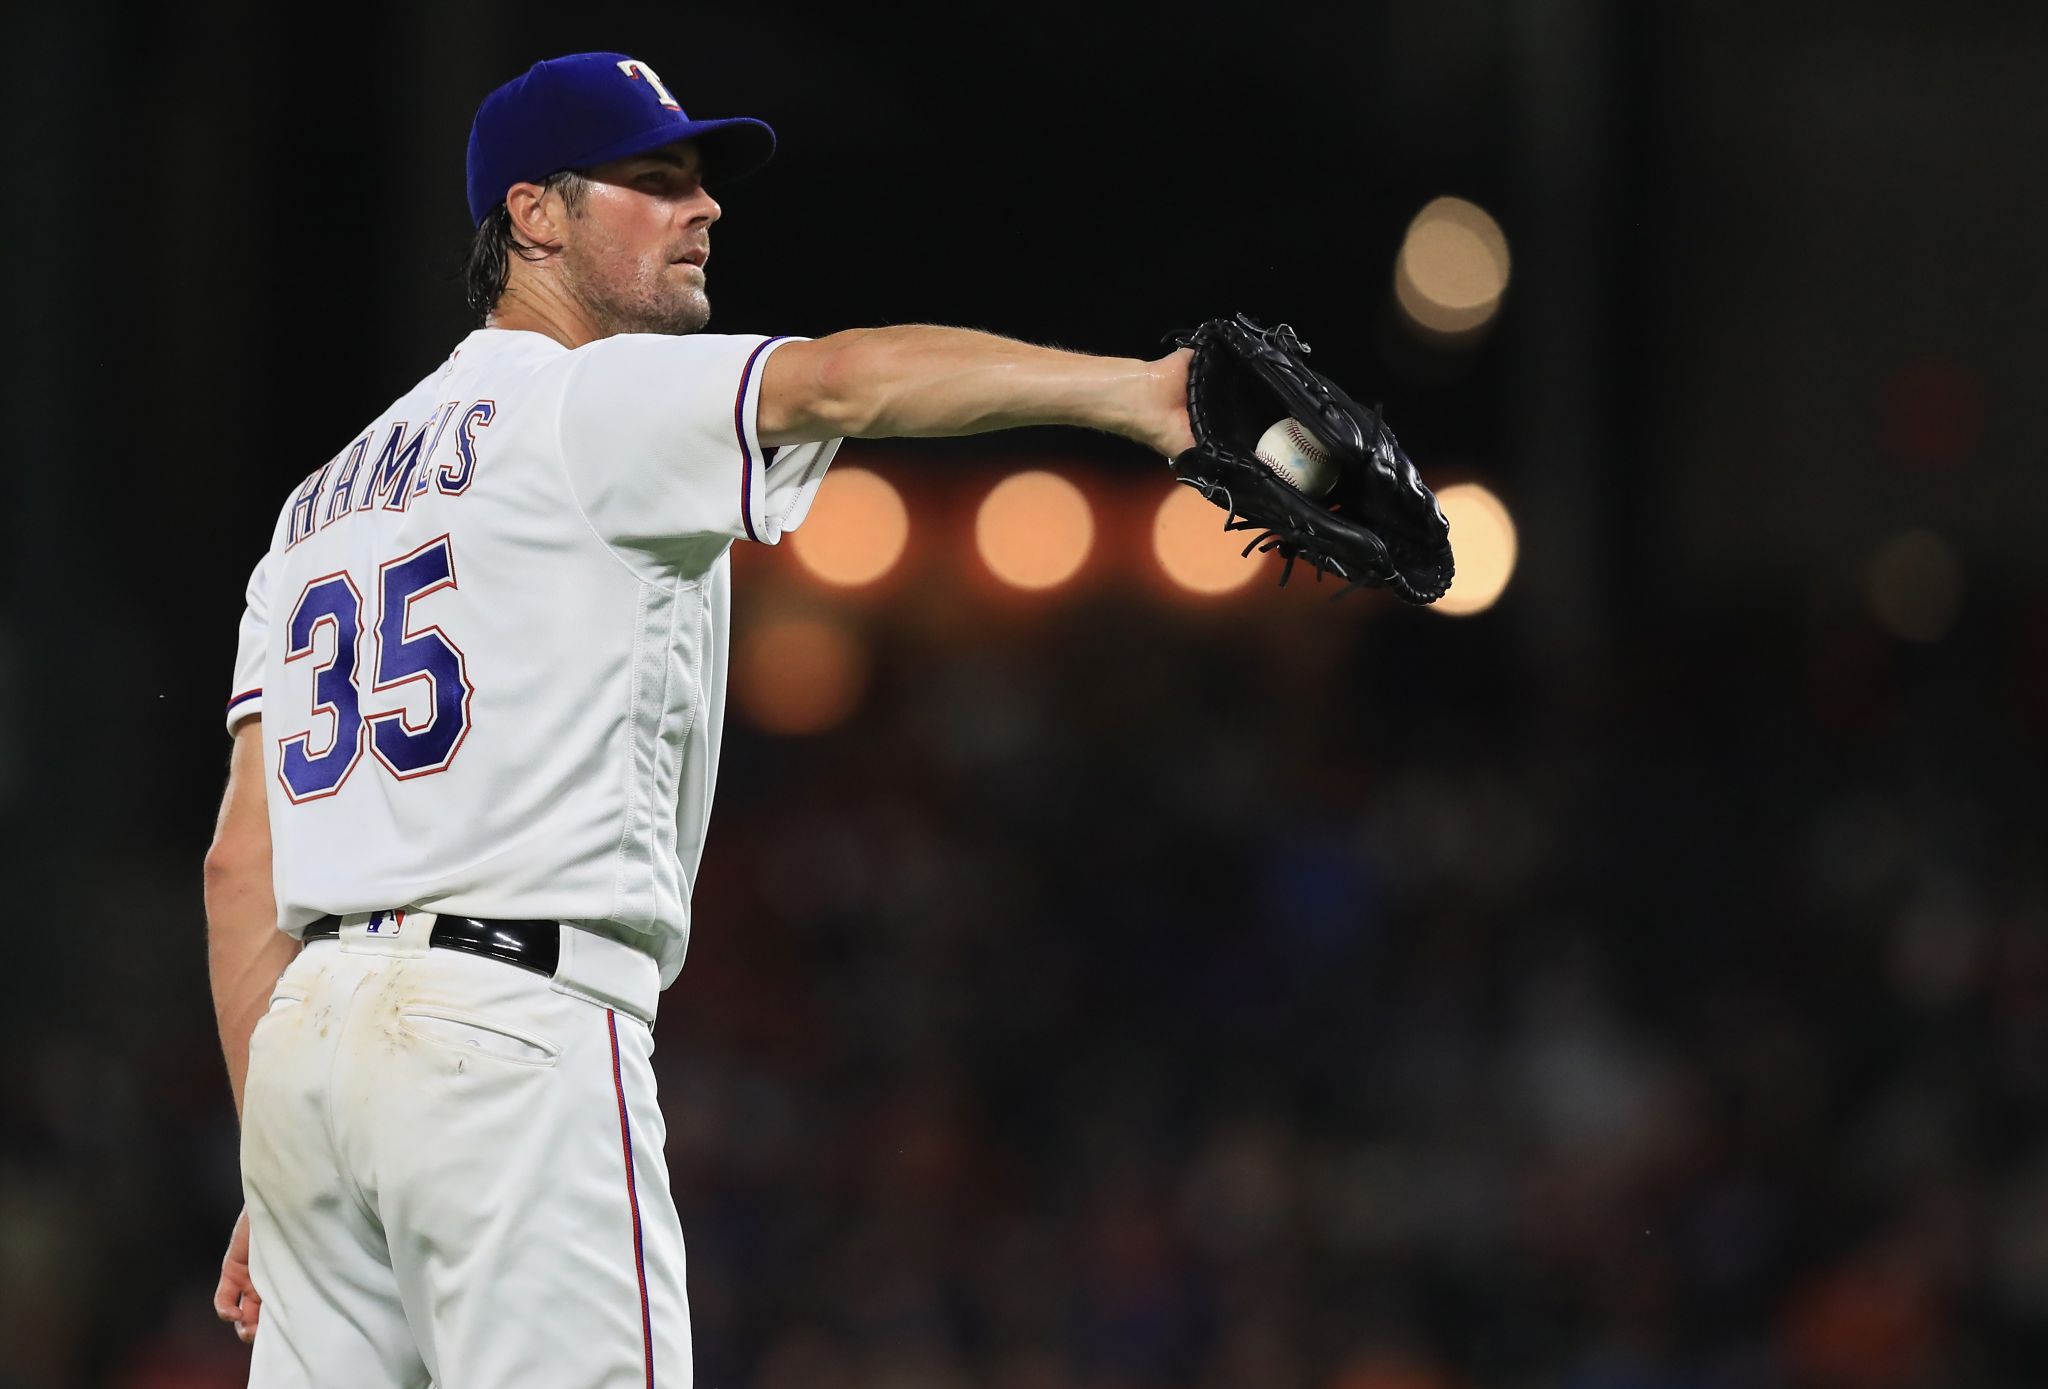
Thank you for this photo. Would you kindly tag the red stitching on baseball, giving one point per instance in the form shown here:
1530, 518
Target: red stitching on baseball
1301, 439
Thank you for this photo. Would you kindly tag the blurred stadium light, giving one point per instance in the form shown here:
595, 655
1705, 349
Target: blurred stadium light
1483, 537
1452, 268
799, 674
1193, 548
857, 529
1034, 530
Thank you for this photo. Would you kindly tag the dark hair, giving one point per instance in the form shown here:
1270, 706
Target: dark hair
495, 243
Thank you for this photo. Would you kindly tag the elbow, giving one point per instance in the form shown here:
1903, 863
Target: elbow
234, 864
830, 388
844, 402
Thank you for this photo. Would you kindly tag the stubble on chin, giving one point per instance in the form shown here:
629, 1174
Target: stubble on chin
645, 303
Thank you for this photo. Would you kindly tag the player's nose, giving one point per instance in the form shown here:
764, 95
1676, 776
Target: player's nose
702, 210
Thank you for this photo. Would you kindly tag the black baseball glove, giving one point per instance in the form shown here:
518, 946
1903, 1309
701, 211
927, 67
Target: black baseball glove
1378, 525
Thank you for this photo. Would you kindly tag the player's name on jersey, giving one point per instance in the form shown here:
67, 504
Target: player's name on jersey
391, 464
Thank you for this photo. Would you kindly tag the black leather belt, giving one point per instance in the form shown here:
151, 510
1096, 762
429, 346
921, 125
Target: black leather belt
534, 945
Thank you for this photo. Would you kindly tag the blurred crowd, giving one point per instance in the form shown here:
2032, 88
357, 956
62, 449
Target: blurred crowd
1129, 999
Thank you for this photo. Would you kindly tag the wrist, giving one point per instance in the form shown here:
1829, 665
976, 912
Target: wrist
1128, 404
1162, 420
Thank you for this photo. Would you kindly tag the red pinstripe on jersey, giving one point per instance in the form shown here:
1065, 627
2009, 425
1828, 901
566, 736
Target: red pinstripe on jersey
611, 1022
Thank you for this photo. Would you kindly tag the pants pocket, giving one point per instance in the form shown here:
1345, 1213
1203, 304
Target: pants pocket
473, 1035
284, 1005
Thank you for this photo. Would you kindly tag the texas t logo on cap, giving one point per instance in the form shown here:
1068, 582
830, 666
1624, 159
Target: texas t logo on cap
636, 69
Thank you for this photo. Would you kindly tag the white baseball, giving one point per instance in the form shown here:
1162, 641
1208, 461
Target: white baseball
1302, 463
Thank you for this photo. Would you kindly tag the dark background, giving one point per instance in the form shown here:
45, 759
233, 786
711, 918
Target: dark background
1642, 985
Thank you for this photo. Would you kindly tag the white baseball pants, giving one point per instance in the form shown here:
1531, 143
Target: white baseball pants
454, 1172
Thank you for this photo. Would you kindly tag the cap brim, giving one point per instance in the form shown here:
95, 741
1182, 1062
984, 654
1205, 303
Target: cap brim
733, 147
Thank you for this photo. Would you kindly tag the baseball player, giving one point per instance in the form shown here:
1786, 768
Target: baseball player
476, 716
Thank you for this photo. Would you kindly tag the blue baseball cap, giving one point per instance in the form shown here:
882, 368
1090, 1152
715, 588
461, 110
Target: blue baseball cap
585, 109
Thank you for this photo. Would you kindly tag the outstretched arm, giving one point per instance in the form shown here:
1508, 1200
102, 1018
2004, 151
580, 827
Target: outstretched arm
922, 381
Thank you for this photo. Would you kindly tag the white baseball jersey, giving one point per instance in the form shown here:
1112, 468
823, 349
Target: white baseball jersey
489, 639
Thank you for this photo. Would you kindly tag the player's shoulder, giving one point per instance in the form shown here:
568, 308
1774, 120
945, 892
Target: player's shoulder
513, 352
627, 350
502, 357
509, 345
661, 372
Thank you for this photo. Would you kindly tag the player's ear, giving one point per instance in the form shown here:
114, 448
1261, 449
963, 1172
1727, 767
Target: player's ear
536, 217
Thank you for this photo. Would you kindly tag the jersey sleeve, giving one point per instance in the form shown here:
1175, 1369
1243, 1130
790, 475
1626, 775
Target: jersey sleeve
245, 698
659, 438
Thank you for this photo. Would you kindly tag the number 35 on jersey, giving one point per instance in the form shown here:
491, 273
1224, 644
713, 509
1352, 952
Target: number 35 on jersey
379, 661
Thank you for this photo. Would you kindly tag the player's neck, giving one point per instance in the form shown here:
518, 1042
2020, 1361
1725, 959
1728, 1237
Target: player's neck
537, 307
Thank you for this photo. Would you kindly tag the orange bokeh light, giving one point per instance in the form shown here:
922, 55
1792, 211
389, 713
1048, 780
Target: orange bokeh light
1034, 530
799, 675
856, 531
1193, 548
1483, 543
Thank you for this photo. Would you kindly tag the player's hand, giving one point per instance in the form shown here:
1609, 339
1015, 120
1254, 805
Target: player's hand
1169, 434
235, 1299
